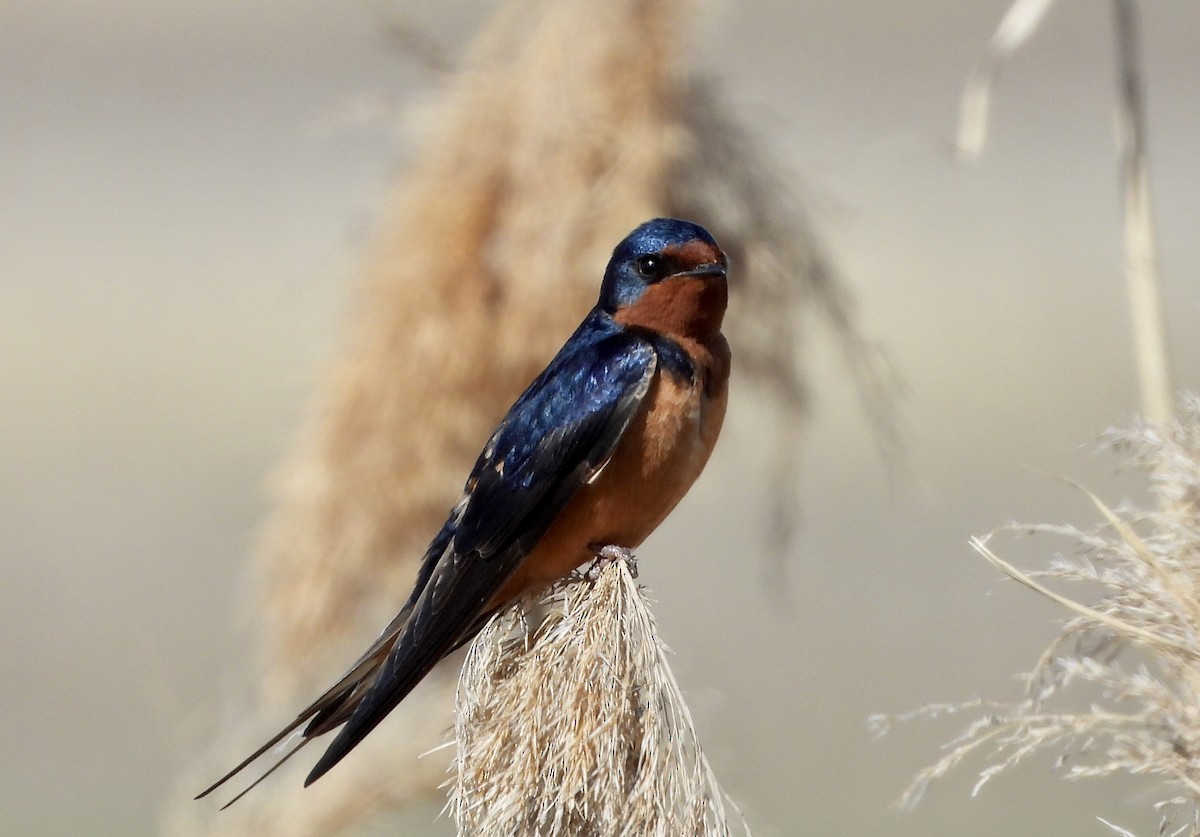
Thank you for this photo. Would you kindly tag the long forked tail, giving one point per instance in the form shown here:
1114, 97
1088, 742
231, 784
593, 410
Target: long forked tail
328, 711
335, 703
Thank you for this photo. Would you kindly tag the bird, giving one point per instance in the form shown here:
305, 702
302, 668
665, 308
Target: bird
591, 457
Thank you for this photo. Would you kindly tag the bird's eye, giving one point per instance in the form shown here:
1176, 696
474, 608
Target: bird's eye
649, 267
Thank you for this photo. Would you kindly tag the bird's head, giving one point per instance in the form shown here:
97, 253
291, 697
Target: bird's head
668, 276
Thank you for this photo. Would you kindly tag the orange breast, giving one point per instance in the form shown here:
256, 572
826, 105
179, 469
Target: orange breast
661, 454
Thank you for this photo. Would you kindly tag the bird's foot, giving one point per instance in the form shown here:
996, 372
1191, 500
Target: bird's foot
610, 552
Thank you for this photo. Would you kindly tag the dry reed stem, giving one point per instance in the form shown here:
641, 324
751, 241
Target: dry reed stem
1018, 24
1119, 690
577, 726
540, 152
1141, 245
1142, 278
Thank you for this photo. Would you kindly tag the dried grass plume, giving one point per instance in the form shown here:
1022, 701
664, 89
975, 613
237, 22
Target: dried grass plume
1118, 692
577, 726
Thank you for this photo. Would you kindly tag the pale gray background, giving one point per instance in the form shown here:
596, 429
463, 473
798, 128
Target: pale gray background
187, 191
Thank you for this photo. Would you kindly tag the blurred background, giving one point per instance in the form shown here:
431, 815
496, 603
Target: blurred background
189, 192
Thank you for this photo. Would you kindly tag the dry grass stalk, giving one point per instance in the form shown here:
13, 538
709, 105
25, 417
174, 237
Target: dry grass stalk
1019, 22
577, 726
1119, 690
1142, 277
1141, 244
542, 150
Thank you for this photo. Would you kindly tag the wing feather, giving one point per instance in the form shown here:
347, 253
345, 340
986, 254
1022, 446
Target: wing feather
558, 434
555, 438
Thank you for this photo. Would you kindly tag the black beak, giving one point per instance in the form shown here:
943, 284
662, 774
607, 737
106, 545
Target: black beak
702, 270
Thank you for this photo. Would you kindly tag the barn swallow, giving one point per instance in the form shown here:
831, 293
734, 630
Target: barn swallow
595, 453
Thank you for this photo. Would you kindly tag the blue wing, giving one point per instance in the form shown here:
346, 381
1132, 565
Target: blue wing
561, 430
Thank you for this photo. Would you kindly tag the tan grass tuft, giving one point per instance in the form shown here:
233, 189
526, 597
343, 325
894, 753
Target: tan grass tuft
1119, 690
577, 726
